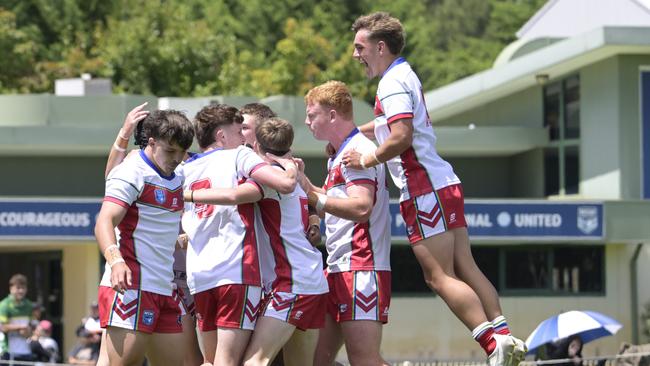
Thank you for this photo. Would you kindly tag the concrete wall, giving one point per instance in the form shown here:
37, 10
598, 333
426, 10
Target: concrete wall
600, 148
630, 122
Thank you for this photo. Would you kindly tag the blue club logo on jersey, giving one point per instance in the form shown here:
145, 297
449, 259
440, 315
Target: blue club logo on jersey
159, 194
147, 317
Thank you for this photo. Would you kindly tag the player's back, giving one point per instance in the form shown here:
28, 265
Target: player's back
289, 261
222, 244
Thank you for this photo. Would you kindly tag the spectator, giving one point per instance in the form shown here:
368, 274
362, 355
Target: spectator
565, 348
43, 346
15, 315
91, 323
86, 351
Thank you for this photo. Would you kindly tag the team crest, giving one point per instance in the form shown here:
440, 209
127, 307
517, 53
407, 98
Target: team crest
147, 317
159, 194
587, 219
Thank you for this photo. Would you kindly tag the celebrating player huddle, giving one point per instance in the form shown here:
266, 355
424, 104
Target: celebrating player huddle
243, 219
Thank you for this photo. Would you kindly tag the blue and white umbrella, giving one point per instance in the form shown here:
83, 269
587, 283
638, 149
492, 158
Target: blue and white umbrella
589, 325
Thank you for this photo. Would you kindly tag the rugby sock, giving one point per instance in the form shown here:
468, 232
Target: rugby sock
484, 335
500, 325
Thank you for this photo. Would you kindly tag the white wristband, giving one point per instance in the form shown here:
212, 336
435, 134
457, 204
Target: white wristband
320, 204
119, 260
121, 135
120, 149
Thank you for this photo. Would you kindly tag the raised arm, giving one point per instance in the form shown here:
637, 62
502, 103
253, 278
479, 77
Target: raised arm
118, 150
244, 193
283, 181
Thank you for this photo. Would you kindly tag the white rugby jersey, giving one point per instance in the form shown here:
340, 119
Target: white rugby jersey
418, 170
289, 262
357, 245
222, 246
149, 230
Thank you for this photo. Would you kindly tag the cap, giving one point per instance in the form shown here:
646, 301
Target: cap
46, 325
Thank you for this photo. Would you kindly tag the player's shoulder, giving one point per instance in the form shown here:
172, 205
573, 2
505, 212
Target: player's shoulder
362, 143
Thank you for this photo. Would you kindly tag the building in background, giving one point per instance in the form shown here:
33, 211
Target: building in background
552, 145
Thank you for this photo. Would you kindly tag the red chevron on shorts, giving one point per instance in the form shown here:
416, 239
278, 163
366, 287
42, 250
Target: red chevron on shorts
251, 311
431, 218
125, 311
280, 303
366, 303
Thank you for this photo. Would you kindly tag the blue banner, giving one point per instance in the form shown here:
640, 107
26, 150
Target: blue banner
48, 219
518, 220
487, 220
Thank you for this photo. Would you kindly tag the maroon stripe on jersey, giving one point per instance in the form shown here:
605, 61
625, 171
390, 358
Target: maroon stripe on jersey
250, 260
399, 116
361, 181
378, 110
272, 219
117, 201
259, 187
417, 179
334, 177
127, 245
362, 255
161, 197
257, 167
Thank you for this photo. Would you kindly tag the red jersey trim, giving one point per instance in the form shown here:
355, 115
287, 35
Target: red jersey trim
397, 117
256, 167
117, 201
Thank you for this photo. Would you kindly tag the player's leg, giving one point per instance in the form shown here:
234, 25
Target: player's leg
209, 341
269, 336
436, 257
193, 354
467, 271
166, 349
205, 305
231, 346
299, 349
362, 342
237, 312
330, 340
103, 352
126, 347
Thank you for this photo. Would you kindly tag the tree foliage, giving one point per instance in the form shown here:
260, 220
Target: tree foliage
230, 47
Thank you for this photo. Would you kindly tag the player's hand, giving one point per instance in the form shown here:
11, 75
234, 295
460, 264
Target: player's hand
300, 164
313, 235
182, 241
120, 277
352, 159
136, 115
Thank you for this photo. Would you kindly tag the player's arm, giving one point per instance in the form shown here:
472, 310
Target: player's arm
368, 129
119, 148
110, 215
283, 181
313, 230
244, 193
356, 207
400, 139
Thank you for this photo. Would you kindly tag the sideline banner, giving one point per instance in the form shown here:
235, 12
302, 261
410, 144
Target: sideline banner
524, 220
48, 219
487, 220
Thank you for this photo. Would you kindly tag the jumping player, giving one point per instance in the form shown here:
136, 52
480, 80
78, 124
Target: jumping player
431, 196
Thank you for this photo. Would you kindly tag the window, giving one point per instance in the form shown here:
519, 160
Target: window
543, 269
562, 118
